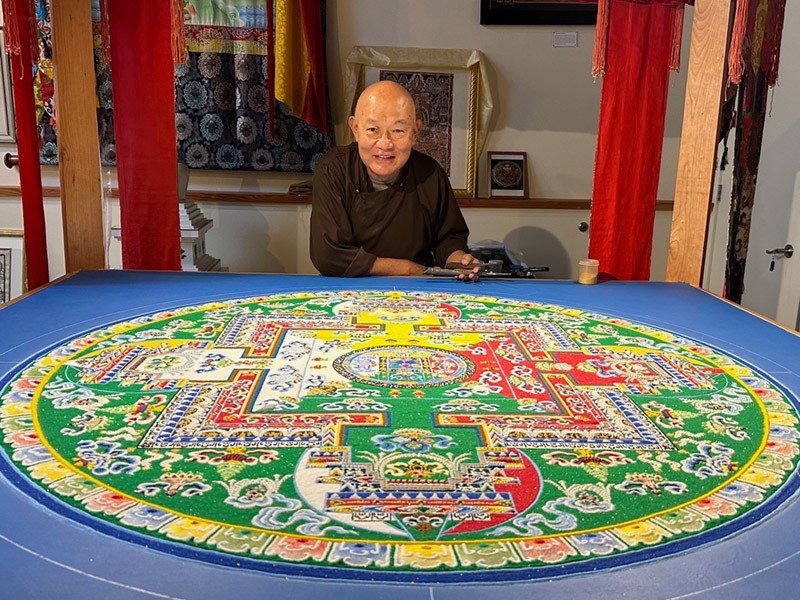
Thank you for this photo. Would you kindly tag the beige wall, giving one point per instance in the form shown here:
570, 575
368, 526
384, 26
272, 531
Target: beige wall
546, 104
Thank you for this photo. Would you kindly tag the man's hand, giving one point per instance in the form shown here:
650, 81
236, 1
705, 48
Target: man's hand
395, 266
466, 259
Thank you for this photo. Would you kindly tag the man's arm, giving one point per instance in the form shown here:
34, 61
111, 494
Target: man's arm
395, 266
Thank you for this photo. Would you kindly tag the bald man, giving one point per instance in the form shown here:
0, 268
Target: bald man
379, 207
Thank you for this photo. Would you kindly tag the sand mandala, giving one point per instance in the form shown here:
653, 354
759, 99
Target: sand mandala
399, 436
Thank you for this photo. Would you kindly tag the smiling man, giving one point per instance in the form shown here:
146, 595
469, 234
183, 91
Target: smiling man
379, 207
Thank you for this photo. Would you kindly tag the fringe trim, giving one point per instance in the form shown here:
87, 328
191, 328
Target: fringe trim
736, 50
180, 55
677, 36
601, 38
774, 59
11, 30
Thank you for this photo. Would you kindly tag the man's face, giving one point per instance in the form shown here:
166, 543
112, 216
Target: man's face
385, 128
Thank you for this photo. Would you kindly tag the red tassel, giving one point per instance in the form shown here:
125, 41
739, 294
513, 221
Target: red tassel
180, 55
677, 35
10, 27
736, 51
601, 38
105, 35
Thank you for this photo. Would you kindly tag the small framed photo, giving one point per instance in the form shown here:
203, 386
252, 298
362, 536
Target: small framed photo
12, 264
508, 175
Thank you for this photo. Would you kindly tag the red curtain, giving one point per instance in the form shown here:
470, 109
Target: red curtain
144, 126
21, 44
630, 136
314, 108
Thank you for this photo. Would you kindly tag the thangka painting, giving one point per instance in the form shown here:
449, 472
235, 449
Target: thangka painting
433, 95
221, 95
408, 436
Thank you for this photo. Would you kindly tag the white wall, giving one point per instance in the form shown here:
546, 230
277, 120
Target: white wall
546, 104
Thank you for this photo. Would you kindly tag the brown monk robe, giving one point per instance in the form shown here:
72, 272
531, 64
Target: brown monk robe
378, 206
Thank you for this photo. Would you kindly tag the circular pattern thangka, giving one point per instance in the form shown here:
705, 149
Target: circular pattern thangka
400, 436
507, 174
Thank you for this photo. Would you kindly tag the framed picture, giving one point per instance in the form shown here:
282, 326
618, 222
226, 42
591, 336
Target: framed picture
452, 99
538, 12
12, 264
8, 131
508, 175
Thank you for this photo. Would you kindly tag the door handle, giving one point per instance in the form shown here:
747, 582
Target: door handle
786, 251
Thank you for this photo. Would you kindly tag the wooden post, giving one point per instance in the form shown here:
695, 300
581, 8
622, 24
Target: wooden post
78, 143
711, 26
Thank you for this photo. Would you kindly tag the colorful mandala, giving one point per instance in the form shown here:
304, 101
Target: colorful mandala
400, 436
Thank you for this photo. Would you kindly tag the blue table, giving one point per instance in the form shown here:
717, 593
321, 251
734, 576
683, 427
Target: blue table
46, 555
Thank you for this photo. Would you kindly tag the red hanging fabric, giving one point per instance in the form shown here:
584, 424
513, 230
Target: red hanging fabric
630, 137
745, 23
18, 18
601, 32
314, 108
144, 126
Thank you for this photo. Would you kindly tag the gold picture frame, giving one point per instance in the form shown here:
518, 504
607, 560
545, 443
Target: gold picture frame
469, 109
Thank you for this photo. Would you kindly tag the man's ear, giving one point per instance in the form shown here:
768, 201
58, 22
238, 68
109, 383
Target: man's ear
417, 129
353, 126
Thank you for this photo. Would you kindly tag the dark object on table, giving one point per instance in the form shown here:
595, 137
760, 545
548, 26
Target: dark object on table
495, 260
502, 261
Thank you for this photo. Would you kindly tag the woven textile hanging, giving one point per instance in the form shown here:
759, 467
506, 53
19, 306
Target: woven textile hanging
753, 65
248, 96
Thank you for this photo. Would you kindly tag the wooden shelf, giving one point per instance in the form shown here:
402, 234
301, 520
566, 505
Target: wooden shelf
267, 198
9, 191
537, 203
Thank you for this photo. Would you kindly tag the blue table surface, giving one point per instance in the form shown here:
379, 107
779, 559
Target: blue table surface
46, 555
